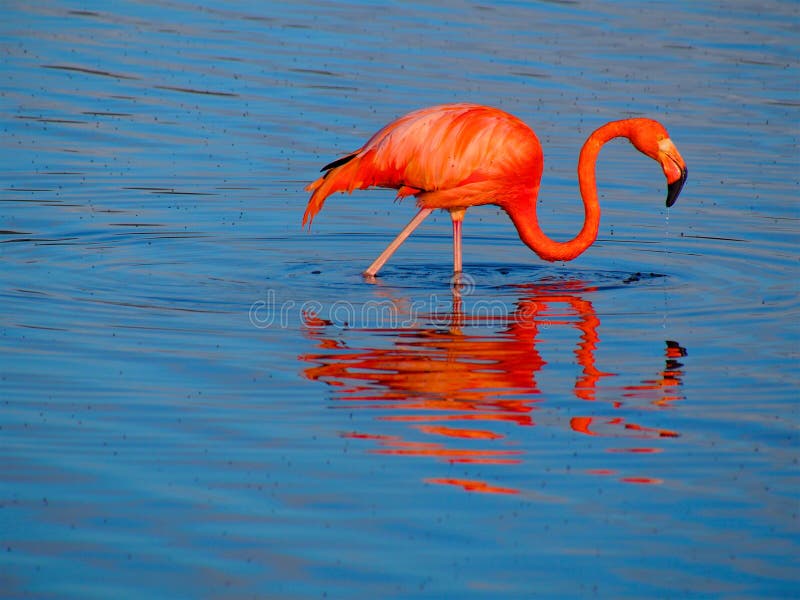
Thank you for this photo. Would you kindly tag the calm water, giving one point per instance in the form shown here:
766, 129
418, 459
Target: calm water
199, 399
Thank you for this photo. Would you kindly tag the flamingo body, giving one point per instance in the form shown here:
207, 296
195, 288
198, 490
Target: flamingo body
456, 156
451, 156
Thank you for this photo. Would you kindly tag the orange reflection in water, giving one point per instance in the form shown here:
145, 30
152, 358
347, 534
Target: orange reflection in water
457, 384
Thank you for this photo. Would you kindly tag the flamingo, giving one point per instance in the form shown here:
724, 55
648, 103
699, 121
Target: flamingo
455, 156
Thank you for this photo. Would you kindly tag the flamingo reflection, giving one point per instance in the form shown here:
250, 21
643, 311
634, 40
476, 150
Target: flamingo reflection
460, 382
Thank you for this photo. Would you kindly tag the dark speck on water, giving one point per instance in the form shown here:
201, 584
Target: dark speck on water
635, 277
201, 399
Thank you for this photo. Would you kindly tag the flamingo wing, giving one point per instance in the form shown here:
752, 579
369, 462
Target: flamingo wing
454, 155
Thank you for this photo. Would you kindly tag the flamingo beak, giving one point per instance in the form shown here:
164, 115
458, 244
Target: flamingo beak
674, 188
674, 169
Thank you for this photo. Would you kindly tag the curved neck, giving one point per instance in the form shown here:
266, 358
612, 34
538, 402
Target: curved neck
527, 223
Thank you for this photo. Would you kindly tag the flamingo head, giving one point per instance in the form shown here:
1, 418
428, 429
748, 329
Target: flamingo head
651, 138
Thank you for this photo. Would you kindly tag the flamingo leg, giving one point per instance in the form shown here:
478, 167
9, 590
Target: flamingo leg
457, 215
457, 246
373, 269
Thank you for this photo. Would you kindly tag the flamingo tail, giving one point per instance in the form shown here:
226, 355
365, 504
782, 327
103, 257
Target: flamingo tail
340, 176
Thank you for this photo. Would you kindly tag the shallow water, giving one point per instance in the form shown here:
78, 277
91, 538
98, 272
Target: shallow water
201, 399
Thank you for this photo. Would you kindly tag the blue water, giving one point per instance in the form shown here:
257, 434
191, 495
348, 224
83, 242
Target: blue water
200, 399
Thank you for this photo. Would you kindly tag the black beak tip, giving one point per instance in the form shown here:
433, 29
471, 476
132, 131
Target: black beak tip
674, 188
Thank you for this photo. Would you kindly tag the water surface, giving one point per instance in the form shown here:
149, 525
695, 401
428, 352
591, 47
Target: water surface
201, 399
